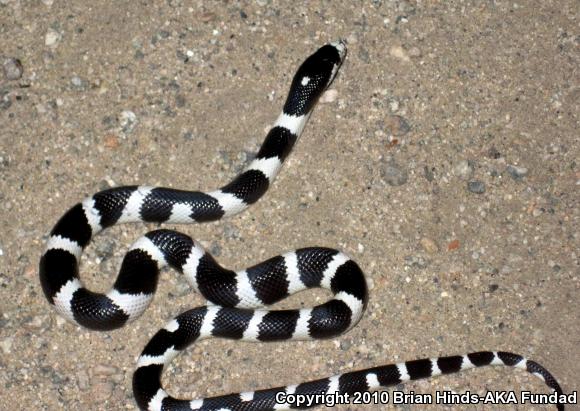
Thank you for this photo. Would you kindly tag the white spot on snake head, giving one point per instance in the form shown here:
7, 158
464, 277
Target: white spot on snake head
305, 80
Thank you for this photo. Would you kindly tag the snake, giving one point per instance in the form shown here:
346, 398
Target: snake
236, 300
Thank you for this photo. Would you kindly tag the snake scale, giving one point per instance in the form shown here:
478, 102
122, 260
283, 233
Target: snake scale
236, 299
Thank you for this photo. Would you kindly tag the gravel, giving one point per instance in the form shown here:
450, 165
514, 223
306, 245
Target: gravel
394, 174
78, 83
429, 245
52, 38
476, 187
463, 169
127, 121
396, 126
429, 173
517, 173
13, 69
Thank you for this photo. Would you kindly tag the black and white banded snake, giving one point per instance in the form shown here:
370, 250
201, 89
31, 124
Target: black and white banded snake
235, 299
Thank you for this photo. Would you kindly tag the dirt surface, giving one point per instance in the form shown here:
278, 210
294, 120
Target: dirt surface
445, 162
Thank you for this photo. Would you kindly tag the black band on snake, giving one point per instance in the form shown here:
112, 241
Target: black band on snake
237, 298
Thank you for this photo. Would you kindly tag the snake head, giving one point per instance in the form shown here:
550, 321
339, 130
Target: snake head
313, 77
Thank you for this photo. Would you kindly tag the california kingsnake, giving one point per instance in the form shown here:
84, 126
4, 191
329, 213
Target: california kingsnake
233, 295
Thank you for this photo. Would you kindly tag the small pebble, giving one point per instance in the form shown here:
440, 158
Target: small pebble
5, 101
105, 249
111, 141
429, 245
180, 290
415, 261
476, 186
180, 100
352, 39
12, 69
517, 173
453, 245
329, 96
52, 37
36, 322
6, 345
215, 249
78, 82
127, 120
493, 153
364, 349
207, 17
163, 34
463, 169
393, 174
396, 125
231, 232
400, 53
429, 173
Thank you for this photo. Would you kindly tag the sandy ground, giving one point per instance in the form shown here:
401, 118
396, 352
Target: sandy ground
445, 162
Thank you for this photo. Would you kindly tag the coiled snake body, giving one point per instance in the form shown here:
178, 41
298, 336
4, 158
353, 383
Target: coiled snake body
236, 298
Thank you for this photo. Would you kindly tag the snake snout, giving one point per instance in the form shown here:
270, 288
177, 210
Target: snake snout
340, 46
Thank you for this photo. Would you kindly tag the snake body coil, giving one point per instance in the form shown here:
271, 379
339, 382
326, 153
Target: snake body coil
237, 297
